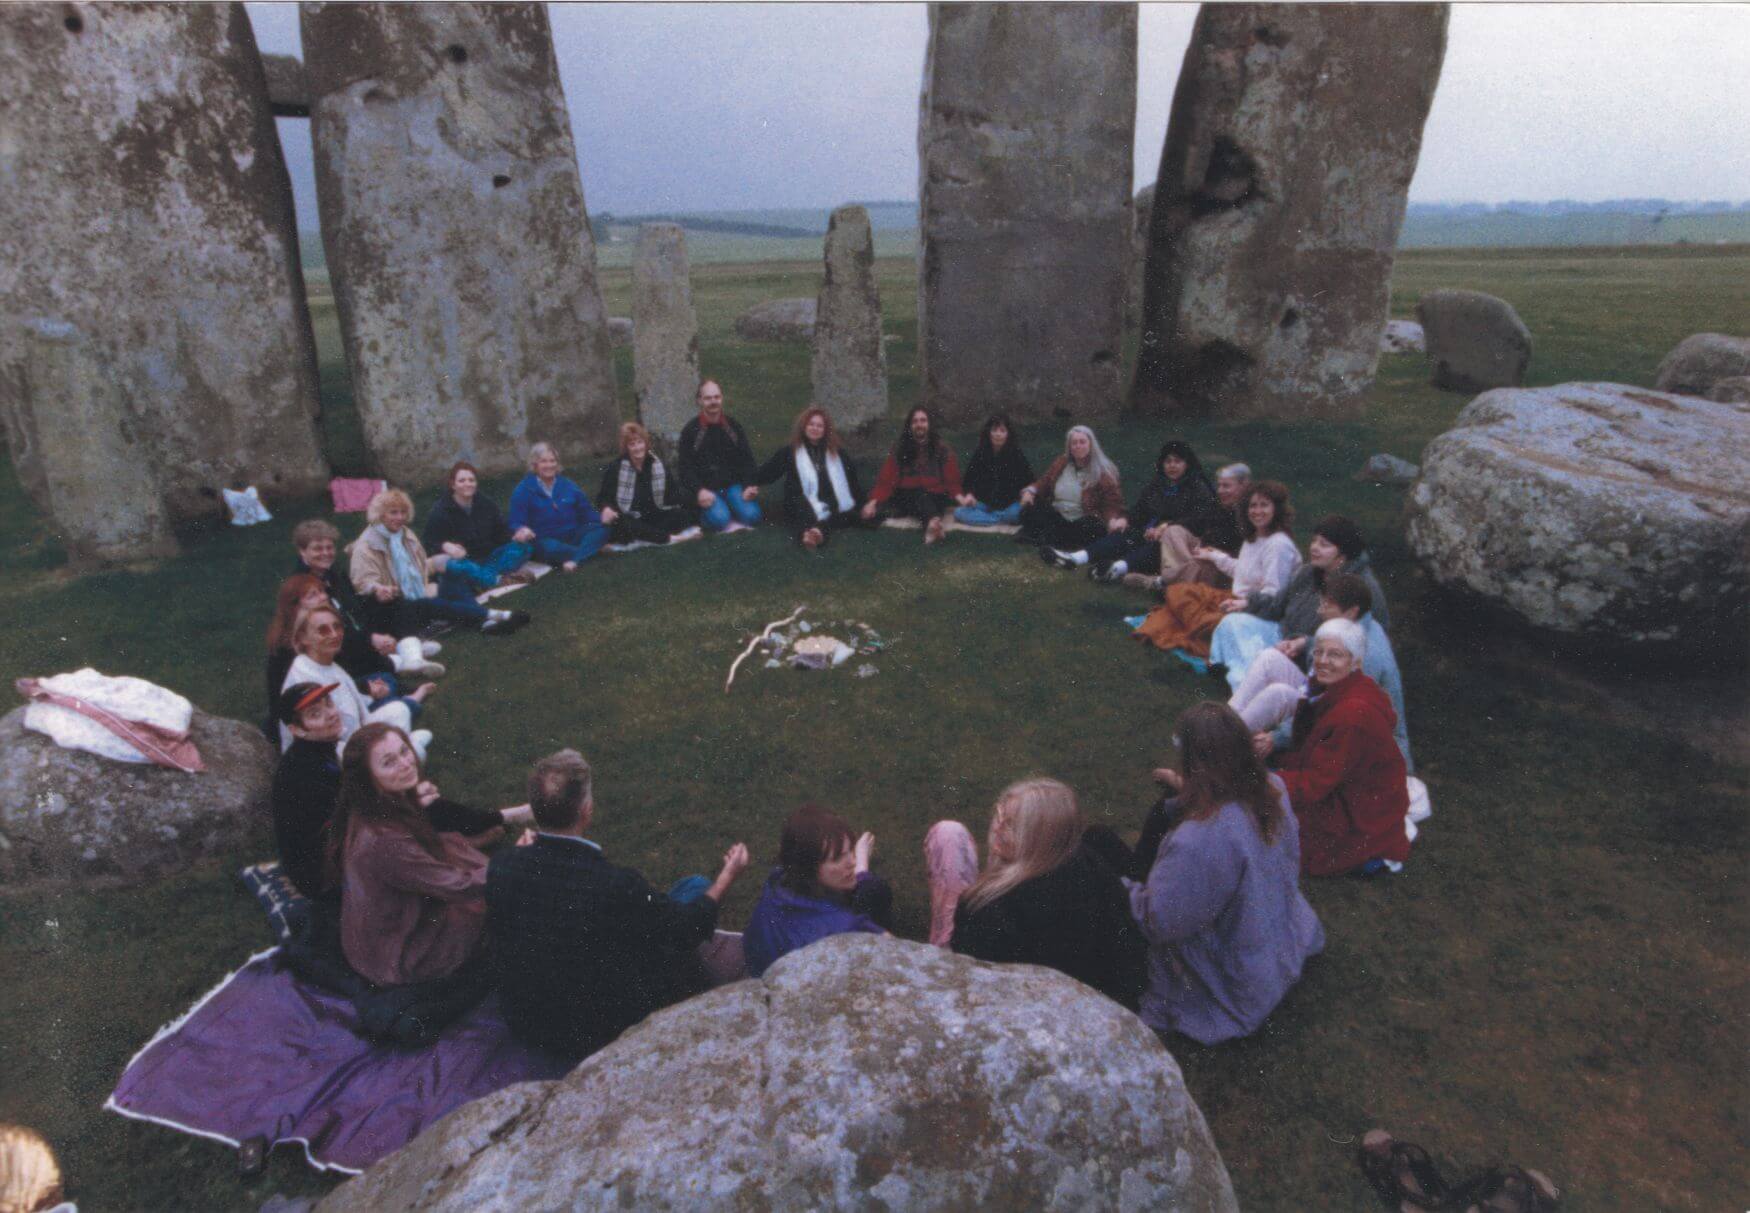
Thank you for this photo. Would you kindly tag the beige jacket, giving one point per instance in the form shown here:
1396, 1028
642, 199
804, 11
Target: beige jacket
370, 564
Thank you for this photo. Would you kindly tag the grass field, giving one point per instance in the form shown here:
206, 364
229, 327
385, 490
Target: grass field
1559, 977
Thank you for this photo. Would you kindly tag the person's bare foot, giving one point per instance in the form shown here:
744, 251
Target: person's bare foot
811, 538
570, 566
935, 530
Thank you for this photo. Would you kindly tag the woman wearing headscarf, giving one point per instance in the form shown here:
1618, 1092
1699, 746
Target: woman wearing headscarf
1076, 501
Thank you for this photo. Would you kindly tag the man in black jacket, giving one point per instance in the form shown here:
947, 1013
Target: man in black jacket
305, 784
717, 466
583, 949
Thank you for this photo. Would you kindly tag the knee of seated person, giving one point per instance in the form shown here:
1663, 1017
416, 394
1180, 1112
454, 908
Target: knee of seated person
947, 832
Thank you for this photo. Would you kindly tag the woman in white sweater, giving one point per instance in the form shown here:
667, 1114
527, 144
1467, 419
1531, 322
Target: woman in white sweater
316, 639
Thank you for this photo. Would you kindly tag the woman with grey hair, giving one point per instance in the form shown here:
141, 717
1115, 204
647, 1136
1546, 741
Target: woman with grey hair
1076, 501
551, 514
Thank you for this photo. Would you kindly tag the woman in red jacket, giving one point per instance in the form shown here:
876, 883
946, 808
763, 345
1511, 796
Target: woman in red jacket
920, 479
1345, 774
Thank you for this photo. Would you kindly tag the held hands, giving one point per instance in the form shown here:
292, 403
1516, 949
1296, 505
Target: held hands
523, 535
863, 852
609, 514
1232, 605
869, 508
1027, 495
1153, 534
1206, 553
382, 643
966, 499
455, 551
706, 499
425, 793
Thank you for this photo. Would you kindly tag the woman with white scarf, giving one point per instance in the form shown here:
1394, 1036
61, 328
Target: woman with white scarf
406, 590
821, 494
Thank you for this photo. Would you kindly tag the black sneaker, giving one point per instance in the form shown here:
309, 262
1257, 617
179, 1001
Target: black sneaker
1101, 571
504, 627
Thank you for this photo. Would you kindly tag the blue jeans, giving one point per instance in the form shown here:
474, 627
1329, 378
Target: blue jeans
561, 551
688, 889
414, 707
980, 514
484, 574
729, 502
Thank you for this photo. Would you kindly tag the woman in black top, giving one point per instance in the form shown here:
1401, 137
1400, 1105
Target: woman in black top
640, 497
821, 493
994, 477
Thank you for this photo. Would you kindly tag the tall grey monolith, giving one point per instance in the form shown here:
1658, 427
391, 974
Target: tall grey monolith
76, 440
453, 216
144, 201
1025, 136
1294, 133
850, 362
665, 331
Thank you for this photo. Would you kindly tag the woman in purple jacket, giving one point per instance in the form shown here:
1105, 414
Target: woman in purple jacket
1227, 927
822, 886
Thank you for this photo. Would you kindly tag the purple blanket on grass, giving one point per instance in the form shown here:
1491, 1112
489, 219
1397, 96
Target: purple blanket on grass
264, 1054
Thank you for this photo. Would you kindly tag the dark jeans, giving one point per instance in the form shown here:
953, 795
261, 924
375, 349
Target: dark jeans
653, 527
844, 520
914, 503
1139, 554
1044, 523
1136, 861
409, 617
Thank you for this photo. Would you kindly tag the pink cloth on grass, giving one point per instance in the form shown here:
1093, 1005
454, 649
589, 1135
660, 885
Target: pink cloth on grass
352, 495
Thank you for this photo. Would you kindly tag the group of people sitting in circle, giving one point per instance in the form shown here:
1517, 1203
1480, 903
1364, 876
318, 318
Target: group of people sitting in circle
1201, 925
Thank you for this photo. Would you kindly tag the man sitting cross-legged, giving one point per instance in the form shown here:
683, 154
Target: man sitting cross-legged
583, 948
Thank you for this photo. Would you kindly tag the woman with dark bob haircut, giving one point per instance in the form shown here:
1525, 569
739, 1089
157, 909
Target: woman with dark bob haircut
994, 477
1227, 927
822, 886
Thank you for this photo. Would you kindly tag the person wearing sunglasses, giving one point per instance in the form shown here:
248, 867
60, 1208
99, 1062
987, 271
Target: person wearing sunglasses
316, 639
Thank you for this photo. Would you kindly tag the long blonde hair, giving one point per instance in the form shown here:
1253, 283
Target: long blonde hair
1045, 826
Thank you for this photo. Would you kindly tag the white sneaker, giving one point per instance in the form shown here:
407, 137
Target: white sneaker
691, 532
421, 739
430, 648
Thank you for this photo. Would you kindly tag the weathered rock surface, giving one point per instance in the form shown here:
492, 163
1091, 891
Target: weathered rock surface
1142, 214
1294, 133
1388, 469
74, 430
665, 337
1702, 360
288, 89
1596, 510
861, 1073
1402, 337
1475, 341
777, 320
1735, 390
66, 815
849, 370
1025, 139
620, 331
144, 201
460, 251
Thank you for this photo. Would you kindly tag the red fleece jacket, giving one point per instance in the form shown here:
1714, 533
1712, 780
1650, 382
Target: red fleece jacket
1346, 779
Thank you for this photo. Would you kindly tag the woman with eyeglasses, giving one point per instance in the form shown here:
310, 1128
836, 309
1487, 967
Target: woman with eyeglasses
316, 639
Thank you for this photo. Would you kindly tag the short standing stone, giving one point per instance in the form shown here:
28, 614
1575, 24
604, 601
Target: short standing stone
288, 91
1294, 134
777, 320
1388, 469
70, 423
665, 338
1701, 361
68, 816
1475, 341
1025, 137
459, 247
1595, 510
145, 203
850, 362
862, 1072
1402, 337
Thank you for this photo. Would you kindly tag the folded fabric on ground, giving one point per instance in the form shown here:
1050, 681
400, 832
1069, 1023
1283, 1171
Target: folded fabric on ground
534, 568
952, 523
352, 494
267, 1055
124, 719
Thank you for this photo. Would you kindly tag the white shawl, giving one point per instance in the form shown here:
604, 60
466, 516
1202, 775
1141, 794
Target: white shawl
810, 478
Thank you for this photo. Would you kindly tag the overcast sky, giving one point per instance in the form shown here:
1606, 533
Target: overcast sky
683, 107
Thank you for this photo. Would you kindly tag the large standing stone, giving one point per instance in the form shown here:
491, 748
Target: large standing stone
1474, 341
1143, 209
66, 815
850, 360
144, 201
665, 331
1294, 133
862, 1073
76, 437
1702, 360
459, 248
1595, 510
1025, 136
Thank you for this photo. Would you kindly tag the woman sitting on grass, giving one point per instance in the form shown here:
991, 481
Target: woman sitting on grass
821, 494
1178, 494
316, 640
1267, 560
822, 886
994, 478
1077, 500
1344, 772
920, 479
1286, 619
551, 514
389, 567
1227, 927
1045, 897
472, 534
640, 495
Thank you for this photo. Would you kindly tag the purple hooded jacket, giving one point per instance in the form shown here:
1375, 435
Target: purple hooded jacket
785, 920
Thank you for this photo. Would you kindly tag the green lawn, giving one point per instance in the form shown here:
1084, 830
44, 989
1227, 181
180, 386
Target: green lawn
1559, 978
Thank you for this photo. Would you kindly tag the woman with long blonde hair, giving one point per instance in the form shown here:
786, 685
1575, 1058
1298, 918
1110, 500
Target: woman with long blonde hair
1044, 897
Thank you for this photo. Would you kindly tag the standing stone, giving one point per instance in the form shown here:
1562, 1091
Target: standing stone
144, 202
1025, 136
1294, 133
70, 424
665, 331
1142, 212
1474, 341
453, 217
288, 90
850, 361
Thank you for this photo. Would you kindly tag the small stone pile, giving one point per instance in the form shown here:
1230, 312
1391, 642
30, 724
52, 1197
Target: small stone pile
802, 646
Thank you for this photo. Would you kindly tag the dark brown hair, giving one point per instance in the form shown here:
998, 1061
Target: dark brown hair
1343, 534
360, 799
797, 437
1277, 493
1348, 591
283, 626
811, 836
460, 465
1215, 754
